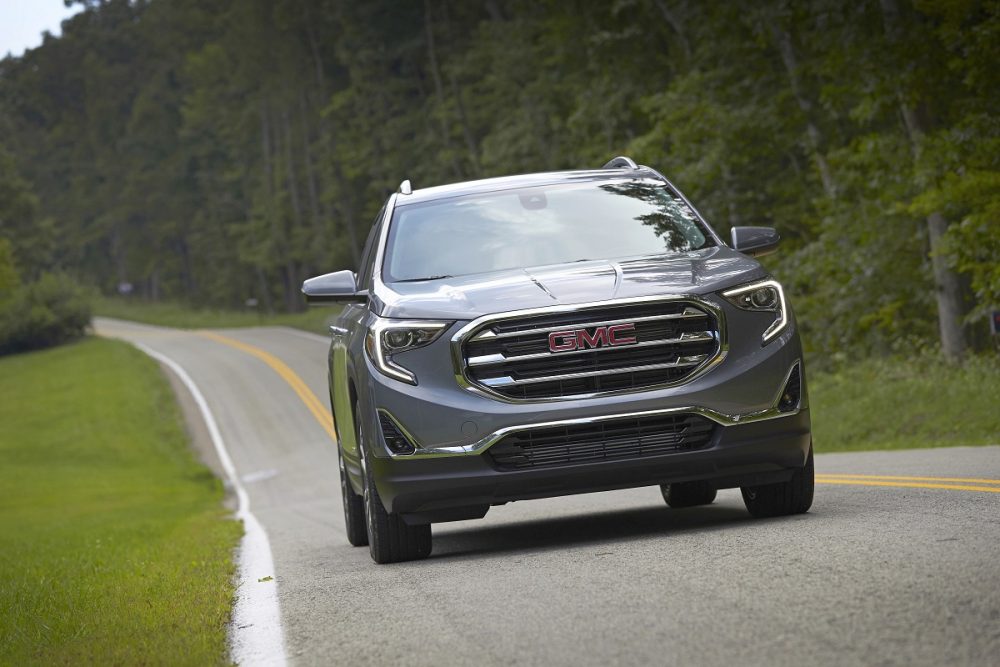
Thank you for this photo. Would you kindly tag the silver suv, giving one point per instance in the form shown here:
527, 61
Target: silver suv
549, 334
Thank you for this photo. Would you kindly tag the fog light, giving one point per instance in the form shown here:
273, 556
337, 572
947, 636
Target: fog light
394, 438
792, 393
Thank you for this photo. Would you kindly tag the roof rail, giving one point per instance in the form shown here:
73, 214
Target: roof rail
405, 188
621, 162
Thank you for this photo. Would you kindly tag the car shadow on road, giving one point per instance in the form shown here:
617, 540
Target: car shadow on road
603, 527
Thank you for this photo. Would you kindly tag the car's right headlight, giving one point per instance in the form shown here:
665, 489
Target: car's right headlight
386, 338
763, 295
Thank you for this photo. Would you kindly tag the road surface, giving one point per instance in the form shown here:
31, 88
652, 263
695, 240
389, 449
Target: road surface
898, 562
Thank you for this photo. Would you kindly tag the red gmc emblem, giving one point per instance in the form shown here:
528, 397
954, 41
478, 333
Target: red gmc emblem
581, 339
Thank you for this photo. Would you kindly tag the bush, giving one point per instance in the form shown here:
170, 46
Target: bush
51, 311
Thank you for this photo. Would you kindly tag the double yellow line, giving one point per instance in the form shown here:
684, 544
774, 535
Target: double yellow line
317, 409
325, 419
951, 483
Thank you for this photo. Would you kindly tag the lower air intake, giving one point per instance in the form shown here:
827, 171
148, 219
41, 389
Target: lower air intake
608, 440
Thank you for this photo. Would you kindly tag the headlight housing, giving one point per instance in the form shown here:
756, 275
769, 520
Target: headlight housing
766, 296
386, 338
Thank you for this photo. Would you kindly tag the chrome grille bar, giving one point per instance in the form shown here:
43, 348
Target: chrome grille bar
689, 337
689, 313
682, 362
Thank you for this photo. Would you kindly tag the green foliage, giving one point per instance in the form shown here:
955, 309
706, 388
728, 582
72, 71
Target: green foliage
113, 540
905, 402
171, 314
9, 279
48, 312
25, 241
208, 152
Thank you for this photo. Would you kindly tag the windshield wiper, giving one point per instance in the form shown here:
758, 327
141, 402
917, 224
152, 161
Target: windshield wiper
417, 280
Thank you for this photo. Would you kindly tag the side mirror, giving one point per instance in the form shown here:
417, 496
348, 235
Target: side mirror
333, 287
755, 241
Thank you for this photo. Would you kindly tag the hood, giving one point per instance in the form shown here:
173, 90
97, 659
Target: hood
468, 297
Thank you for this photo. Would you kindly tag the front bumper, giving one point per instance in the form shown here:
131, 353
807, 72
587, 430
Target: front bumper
464, 487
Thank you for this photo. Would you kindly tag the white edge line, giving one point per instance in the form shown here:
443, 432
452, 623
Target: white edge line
255, 633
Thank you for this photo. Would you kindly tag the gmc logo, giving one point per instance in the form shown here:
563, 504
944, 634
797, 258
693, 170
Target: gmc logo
581, 339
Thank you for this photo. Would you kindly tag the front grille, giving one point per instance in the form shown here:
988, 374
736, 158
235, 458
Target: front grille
608, 440
511, 357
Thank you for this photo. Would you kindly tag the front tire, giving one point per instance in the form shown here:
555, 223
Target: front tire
390, 539
354, 507
688, 494
792, 497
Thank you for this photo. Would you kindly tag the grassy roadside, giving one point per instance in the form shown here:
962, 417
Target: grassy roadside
183, 317
114, 543
906, 403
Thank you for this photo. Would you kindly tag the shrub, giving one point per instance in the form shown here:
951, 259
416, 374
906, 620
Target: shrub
53, 310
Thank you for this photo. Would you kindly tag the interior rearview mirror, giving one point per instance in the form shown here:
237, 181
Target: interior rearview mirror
333, 287
755, 241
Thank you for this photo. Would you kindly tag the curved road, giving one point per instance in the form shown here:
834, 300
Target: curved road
897, 563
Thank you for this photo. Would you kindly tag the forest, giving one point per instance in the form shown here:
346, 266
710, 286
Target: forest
214, 151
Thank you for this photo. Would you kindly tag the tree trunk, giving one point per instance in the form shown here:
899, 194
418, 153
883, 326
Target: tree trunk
947, 286
733, 210
292, 182
470, 142
438, 86
493, 9
311, 185
264, 290
293, 300
187, 268
676, 26
815, 138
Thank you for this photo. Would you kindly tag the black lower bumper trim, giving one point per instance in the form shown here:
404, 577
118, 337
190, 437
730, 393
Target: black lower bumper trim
740, 455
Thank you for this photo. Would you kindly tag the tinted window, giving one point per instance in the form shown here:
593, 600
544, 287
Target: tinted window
541, 225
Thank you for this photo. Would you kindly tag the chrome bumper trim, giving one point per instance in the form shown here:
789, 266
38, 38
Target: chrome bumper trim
488, 441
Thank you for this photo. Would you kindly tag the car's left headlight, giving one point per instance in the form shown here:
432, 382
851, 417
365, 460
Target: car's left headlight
763, 295
386, 338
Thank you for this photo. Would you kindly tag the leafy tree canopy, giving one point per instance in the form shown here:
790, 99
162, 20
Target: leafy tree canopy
215, 150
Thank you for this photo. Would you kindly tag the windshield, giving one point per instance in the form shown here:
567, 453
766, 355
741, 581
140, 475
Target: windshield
519, 228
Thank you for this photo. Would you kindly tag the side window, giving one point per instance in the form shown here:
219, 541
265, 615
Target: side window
368, 256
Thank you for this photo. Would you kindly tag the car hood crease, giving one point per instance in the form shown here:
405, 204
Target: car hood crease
467, 297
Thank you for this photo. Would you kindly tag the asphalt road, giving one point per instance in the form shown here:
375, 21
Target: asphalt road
872, 575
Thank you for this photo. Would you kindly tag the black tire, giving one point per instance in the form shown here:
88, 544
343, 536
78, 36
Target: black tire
390, 539
792, 497
354, 507
688, 494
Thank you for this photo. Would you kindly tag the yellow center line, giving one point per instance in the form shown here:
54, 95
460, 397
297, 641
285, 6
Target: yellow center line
317, 408
963, 480
906, 485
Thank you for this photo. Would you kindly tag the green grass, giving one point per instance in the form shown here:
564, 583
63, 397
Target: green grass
114, 544
170, 314
906, 403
